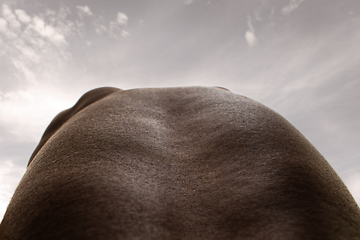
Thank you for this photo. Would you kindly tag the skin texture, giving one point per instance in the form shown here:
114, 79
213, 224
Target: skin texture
177, 163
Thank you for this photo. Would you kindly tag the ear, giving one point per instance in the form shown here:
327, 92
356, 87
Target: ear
87, 99
222, 88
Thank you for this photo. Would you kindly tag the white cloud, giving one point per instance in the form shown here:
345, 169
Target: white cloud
23, 68
188, 2
10, 26
124, 33
99, 28
22, 16
122, 19
63, 13
250, 37
47, 31
272, 12
10, 17
9, 178
353, 184
5, 30
115, 29
3, 25
19, 116
36, 45
257, 15
293, 4
84, 11
37, 49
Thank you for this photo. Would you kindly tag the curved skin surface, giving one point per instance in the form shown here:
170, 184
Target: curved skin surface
88, 98
177, 163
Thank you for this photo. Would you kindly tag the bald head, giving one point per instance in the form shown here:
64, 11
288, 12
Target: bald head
177, 163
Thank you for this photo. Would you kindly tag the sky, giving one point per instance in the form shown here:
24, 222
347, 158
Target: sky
299, 57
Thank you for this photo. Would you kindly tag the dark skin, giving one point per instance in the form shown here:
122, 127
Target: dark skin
177, 163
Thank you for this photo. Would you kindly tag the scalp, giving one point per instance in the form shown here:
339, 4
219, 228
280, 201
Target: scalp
87, 99
184, 163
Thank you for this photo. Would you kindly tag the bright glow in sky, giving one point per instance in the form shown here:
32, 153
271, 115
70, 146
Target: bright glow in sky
299, 57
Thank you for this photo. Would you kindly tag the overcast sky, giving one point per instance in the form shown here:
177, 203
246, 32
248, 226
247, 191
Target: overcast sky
299, 57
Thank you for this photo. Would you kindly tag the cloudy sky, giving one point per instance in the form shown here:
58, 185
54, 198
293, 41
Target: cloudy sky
299, 57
